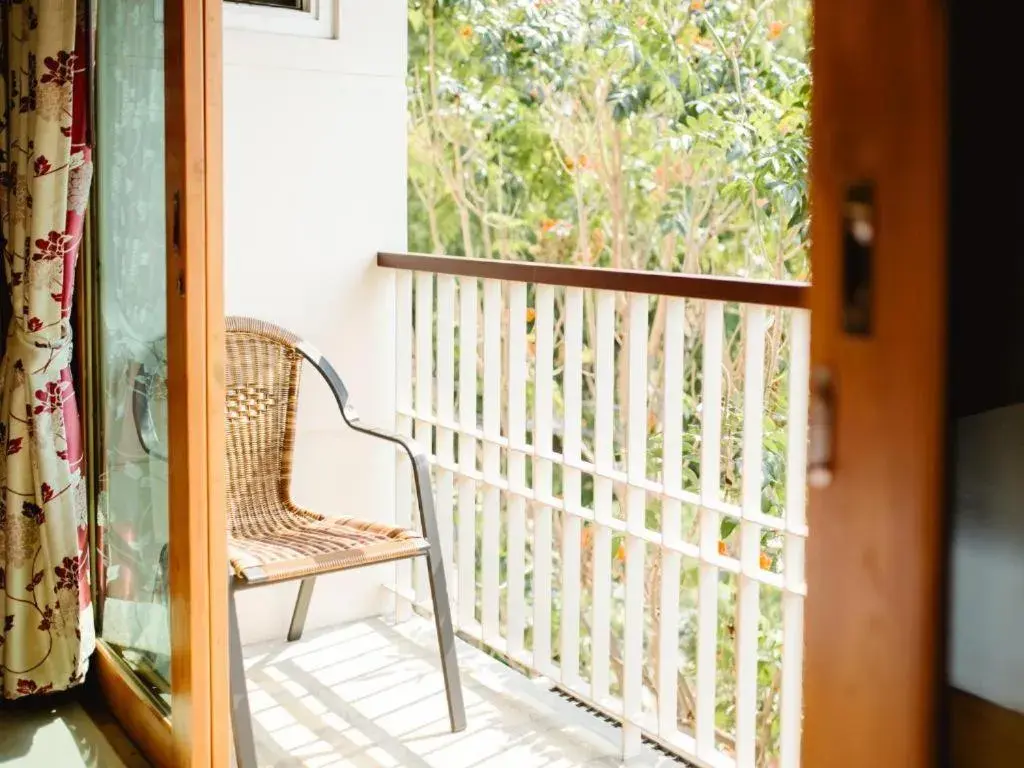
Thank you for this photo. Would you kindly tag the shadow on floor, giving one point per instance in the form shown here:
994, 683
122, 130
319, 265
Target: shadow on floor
369, 695
57, 732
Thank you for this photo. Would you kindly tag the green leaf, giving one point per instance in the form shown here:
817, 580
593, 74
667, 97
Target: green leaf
416, 19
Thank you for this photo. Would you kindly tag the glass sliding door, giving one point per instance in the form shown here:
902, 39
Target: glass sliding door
153, 377
131, 348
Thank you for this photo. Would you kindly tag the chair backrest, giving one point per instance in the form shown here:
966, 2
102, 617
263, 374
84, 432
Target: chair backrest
262, 372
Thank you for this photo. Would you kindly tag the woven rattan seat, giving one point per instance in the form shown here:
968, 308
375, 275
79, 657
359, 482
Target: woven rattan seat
292, 543
270, 538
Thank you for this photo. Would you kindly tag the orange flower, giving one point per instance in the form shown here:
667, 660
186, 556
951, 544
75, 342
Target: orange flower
620, 553
556, 227
465, 32
696, 5
766, 562
723, 548
572, 163
775, 30
531, 314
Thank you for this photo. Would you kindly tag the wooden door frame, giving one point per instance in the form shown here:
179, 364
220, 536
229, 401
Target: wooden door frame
195, 343
196, 734
873, 666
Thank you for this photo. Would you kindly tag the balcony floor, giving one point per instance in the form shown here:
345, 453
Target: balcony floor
371, 695
70, 730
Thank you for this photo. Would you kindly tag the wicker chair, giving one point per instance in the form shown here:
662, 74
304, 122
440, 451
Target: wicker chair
271, 540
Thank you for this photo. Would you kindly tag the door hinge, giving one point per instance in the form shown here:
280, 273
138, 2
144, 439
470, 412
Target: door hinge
821, 429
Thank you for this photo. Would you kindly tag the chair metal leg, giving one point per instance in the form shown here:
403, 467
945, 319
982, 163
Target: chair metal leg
301, 609
446, 637
241, 717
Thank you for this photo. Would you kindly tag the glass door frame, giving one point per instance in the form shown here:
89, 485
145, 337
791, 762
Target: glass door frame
195, 734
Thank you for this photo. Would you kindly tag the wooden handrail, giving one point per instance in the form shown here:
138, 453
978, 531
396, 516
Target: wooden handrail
727, 289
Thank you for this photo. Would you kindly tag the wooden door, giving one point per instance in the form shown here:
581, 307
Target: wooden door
170, 713
875, 553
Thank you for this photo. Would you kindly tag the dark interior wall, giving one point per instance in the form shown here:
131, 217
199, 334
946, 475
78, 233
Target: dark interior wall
986, 211
986, 372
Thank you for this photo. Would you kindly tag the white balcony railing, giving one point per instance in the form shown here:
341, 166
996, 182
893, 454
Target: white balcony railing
619, 466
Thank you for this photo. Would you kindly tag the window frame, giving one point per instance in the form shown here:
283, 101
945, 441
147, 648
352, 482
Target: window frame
297, 18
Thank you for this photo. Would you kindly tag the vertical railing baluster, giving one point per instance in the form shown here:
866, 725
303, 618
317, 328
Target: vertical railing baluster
446, 416
468, 306
491, 540
572, 444
542, 438
424, 395
748, 604
404, 425
791, 709
604, 464
710, 484
636, 523
516, 468
671, 518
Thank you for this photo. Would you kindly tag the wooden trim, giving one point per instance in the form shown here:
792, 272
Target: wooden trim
135, 712
983, 733
194, 507
216, 518
86, 354
728, 289
872, 670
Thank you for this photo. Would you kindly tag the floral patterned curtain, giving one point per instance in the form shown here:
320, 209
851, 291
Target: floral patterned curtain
46, 625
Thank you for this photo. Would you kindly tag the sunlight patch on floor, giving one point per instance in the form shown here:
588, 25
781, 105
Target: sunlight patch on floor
371, 695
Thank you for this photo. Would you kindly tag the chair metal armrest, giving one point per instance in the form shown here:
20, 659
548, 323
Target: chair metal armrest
416, 454
410, 447
420, 468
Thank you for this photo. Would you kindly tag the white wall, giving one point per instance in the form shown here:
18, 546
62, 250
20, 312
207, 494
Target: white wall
315, 164
987, 607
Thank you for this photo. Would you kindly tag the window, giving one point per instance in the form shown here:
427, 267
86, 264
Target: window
297, 18
294, 5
